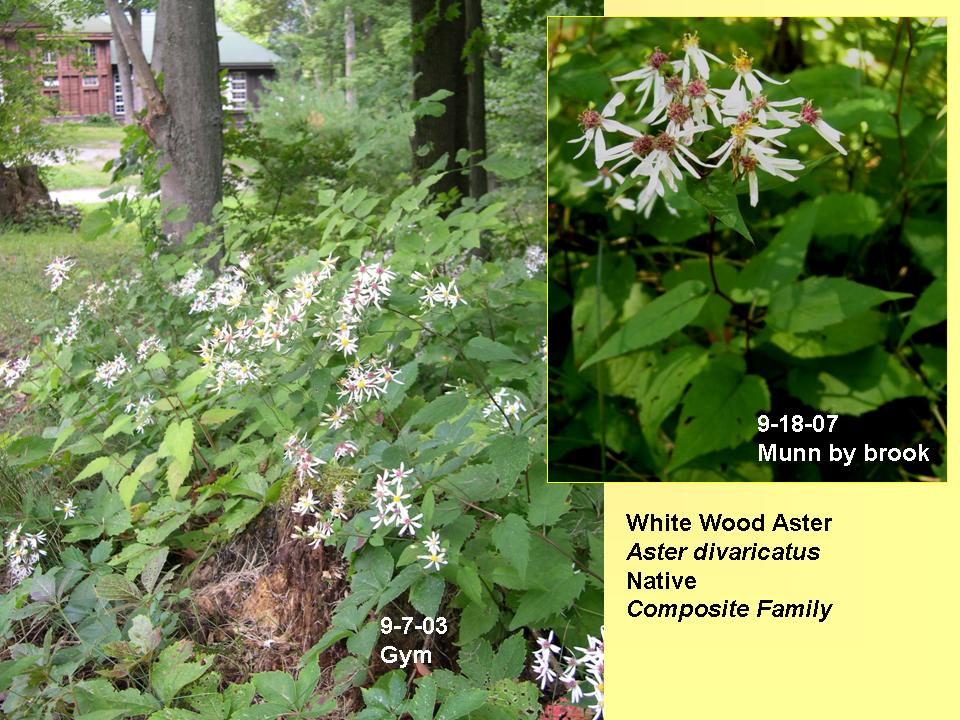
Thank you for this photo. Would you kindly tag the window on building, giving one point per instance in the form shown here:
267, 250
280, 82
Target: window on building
91, 81
50, 57
118, 107
237, 91
51, 81
92, 53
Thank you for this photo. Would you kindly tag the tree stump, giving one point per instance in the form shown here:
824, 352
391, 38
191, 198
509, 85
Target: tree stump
20, 188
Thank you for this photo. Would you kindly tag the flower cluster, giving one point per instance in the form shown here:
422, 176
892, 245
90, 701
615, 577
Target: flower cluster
22, 552
391, 501
364, 381
148, 347
141, 412
684, 109
435, 556
535, 259
58, 271
582, 667
12, 370
67, 507
445, 295
97, 296
109, 372
506, 406
297, 453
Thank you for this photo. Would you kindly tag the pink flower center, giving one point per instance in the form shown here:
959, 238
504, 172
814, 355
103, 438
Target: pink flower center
697, 88
674, 84
808, 115
664, 142
590, 119
759, 102
748, 163
744, 118
643, 145
658, 58
679, 113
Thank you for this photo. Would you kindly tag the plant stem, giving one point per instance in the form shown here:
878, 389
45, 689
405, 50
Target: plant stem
713, 272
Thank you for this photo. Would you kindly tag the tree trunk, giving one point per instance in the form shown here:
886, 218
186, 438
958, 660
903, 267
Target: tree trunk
20, 187
126, 78
137, 24
476, 97
185, 120
193, 136
438, 65
350, 55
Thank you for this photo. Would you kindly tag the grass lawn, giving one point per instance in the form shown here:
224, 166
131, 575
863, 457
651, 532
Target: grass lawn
81, 175
83, 135
25, 291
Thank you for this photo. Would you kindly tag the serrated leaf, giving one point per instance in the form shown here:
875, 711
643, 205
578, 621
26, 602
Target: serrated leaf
461, 703
857, 333
426, 594
537, 606
486, 350
95, 466
171, 672
670, 312
854, 384
717, 195
511, 537
818, 302
719, 410
779, 263
178, 446
930, 310
445, 407
217, 416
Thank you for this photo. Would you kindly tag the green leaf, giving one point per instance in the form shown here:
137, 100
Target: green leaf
421, 705
930, 310
95, 224
508, 167
426, 594
818, 302
97, 465
128, 486
854, 384
602, 291
178, 446
121, 424
511, 537
217, 416
657, 321
717, 195
486, 350
475, 621
157, 361
277, 687
779, 263
445, 407
171, 673
536, 606
847, 213
719, 410
509, 661
673, 374
845, 337
548, 502
461, 703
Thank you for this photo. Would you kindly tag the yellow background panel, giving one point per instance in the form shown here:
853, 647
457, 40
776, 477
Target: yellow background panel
891, 645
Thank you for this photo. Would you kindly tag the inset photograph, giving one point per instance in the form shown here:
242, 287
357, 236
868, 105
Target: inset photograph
747, 249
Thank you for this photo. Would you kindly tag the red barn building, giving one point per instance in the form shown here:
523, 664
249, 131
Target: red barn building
85, 82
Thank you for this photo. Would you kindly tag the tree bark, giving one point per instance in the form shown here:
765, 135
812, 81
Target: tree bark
136, 22
476, 97
438, 65
126, 78
193, 138
185, 120
350, 55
